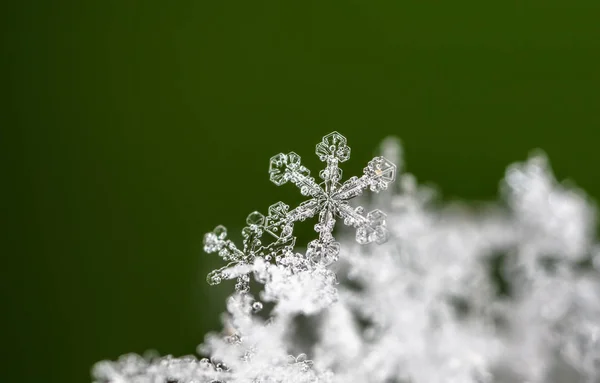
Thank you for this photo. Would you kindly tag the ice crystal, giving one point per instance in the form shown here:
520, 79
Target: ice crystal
329, 199
276, 225
508, 292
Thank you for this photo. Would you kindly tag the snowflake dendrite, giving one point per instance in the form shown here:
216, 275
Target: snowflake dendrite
328, 199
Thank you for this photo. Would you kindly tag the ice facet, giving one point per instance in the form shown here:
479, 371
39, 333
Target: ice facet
380, 173
333, 146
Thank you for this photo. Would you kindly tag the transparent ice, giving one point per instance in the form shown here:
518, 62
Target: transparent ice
328, 199
505, 292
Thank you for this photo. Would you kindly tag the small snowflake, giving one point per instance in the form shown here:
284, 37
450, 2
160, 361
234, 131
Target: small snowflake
275, 224
329, 200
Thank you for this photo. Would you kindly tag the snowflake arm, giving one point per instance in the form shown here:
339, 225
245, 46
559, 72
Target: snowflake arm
333, 149
370, 228
378, 174
352, 217
325, 225
287, 167
324, 250
306, 209
216, 241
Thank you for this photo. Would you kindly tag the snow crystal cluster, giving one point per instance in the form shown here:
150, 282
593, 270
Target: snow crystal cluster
424, 292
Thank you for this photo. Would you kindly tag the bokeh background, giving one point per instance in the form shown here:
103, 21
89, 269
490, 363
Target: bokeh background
131, 128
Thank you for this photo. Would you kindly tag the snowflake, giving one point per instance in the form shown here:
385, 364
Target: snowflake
275, 224
329, 200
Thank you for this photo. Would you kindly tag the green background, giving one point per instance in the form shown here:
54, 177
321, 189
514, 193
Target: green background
133, 127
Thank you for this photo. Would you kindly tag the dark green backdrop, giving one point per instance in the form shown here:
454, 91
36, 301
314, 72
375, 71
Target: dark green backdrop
133, 127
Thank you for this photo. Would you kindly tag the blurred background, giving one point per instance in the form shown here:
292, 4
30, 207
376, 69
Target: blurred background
131, 128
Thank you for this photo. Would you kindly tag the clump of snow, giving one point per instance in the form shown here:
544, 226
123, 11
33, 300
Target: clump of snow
508, 292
